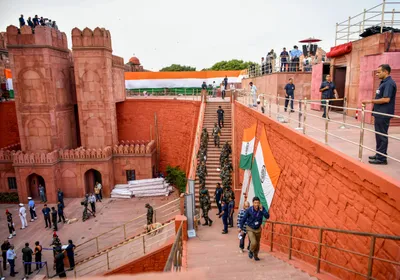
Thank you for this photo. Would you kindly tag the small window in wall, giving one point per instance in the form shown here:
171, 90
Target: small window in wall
12, 183
130, 175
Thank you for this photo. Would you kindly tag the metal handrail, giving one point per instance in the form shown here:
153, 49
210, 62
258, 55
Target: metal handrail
173, 207
365, 19
110, 259
303, 114
174, 261
371, 256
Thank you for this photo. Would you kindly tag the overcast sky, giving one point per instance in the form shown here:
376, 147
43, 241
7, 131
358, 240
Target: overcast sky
195, 33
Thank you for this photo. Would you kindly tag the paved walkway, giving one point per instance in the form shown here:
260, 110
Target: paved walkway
218, 256
110, 213
316, 124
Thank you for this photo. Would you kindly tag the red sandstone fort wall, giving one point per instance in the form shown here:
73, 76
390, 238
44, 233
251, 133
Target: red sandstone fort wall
152, 262
322, 187
177, 120
9, 134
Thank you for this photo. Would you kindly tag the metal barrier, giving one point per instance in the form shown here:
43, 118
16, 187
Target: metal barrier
184, 93
304, 113
162, 214
380, 15
320, 245
125, 252
278, 66
174, 261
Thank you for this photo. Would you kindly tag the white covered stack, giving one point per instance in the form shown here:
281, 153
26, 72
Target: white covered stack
142, 188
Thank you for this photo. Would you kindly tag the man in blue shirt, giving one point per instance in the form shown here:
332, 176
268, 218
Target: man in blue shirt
384, 102
254, 217
295, 55
60, 196
11, 256
70, 254
289, 88
46, 214
225, 215
329, 91
284, 59
32, 209
21, 21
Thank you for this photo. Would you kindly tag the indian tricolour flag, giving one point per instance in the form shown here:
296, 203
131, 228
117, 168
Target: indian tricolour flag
9, 85
156, 81
264, 172
246, 155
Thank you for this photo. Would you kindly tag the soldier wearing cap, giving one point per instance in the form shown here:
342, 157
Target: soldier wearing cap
205, 205
22, 216
149, 214
32, 209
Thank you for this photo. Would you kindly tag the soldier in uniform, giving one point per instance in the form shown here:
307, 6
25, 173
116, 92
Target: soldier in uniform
205, 205
149, 214
216, 133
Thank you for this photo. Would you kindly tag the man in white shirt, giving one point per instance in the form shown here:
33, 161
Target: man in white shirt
253, 90
214, 89
22, 216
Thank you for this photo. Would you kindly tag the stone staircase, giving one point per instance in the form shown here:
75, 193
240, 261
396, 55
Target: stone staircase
218, 256
210, 117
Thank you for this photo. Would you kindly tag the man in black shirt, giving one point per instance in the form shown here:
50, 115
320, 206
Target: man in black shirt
46, 214
289, 88
329, 91
384, 102
27, 259
220, 113
35, 21
4, 248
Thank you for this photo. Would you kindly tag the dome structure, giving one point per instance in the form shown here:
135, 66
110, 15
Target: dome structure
134, 60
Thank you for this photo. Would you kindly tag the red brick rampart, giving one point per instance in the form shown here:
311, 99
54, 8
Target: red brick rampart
177, 120
322, 187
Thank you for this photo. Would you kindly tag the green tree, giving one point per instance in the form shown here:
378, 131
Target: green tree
177, 68
233, 64
176, 177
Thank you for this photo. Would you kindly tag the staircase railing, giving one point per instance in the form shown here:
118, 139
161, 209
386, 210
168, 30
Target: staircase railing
125, 252
196, 145
174, 262
162, 214
324, 235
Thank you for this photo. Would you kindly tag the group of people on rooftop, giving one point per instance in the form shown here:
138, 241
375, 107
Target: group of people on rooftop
36, 21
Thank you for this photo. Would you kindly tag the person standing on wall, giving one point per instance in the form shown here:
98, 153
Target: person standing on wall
284, 59
384, 102
253, 90
295, 55
226, 82
289, 88
254, 217
329, 91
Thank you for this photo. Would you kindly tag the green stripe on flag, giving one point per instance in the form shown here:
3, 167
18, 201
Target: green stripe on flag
11, 94
245, 161
258, 189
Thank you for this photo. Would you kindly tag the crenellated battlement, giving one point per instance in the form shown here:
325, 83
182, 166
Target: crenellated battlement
42, 36
35, 158
134, 147
98, 38
117, 61
3, 41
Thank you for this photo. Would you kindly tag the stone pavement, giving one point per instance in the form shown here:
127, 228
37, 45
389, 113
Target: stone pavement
218, 256
315, 124
110, 213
